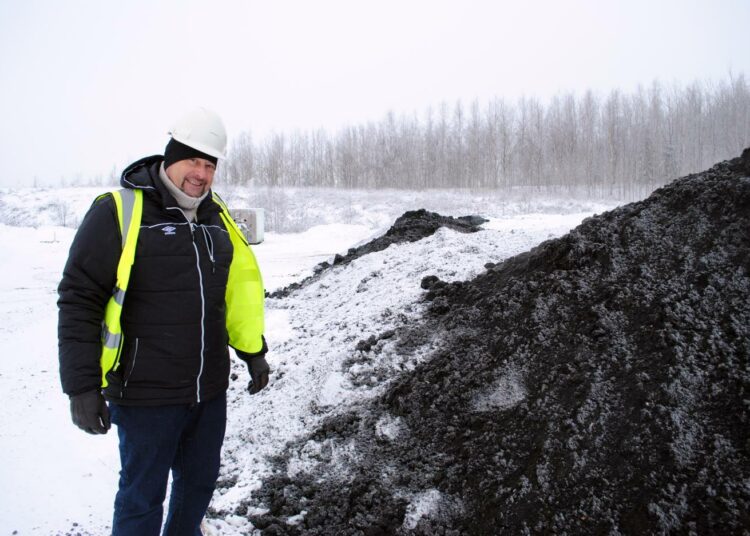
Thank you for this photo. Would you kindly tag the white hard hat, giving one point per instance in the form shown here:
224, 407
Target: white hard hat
203, 130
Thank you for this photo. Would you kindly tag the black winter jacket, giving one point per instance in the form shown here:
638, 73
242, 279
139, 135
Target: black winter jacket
173, 319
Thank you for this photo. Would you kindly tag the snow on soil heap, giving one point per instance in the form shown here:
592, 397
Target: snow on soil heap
597, 384
409, 227
318, 333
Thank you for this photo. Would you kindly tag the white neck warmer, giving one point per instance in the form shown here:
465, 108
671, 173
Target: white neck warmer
189, 205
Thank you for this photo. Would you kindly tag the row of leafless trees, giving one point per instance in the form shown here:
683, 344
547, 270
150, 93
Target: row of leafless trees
620, 144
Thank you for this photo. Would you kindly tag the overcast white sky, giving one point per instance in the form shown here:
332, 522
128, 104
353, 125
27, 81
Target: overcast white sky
88, 85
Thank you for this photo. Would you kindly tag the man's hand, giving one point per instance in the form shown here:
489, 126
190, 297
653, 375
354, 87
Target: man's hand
89, 412
257, 366
259, 369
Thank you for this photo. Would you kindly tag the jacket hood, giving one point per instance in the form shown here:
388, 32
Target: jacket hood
143, 173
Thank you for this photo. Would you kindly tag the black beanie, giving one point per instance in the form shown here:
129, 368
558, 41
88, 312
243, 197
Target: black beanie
176, 151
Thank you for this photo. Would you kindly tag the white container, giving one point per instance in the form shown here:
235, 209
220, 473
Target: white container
250, 221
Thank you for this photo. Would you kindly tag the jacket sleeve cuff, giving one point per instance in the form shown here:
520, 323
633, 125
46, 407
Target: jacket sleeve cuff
260, 353
82, 391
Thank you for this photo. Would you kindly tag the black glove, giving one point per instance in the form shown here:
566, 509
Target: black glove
90, 413
258, 368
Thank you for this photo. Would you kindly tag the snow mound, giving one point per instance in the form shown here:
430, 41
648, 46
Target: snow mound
599, 383
411, 226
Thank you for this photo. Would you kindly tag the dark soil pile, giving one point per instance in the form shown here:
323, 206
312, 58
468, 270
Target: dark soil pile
598, 384
409, 227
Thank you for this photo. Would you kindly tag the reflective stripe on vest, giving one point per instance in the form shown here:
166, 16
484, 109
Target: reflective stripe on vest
129, 204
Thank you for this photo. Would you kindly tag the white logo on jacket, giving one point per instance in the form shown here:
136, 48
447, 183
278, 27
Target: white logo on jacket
169, 230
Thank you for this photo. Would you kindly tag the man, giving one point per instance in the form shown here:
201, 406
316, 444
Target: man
156, 348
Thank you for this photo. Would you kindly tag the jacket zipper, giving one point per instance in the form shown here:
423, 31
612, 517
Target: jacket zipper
203, 314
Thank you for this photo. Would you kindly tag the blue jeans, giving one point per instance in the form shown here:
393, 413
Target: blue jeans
185, 439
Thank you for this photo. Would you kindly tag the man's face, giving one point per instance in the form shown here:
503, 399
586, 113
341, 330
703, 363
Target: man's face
193, 175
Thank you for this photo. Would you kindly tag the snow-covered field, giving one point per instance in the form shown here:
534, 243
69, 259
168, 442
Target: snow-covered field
57, 479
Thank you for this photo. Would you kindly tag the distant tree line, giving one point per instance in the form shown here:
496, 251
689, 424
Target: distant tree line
620, 144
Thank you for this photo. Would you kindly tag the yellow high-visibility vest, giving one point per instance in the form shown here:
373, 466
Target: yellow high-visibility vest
244, 293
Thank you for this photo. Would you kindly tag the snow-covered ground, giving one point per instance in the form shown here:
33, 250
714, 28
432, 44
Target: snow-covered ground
57, 479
